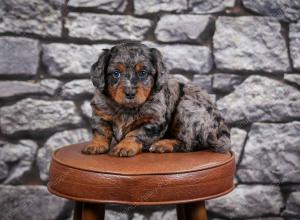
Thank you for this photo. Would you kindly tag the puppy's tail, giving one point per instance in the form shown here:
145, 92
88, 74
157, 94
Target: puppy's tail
219, 140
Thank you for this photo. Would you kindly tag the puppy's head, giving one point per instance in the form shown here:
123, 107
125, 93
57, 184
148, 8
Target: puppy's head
128, 73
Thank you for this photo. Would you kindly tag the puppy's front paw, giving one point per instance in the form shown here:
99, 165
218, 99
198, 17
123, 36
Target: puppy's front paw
164, 146
95, 148
160, 149
127, 147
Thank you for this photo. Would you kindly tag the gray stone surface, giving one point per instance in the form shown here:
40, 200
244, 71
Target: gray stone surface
10, 89
293, 205
267, 218
70, 59
213, 97
40, 115
286, 10
181, 78
172, 28
257, 100
164, 215
210, 6
30, 16
86, 109
292, 218
57, 141
294, 36
291, 188
78, 87
157, 215
203, 81
21, 155
29, 202
3, 170
50, 86
247, 201
19, 56
114, 215
108, 5
294, 78
152, 6
110, 27
57, 3
138, 216
225, 83
269, 156
250, 43
238, 137
196, 58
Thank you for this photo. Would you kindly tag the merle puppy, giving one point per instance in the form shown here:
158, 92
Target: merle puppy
138, 106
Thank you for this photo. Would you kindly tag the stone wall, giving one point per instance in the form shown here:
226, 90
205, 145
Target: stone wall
246, 53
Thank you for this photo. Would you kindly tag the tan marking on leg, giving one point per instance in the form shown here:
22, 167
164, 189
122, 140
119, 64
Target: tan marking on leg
164, 145
105, 116
98, 145
128, 147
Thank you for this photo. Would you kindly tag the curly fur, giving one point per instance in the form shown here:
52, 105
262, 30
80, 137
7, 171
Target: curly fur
165, 115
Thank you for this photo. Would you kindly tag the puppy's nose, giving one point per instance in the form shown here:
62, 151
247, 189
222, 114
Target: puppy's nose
130, 94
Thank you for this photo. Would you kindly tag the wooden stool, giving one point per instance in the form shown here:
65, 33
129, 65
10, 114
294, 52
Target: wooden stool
184, 179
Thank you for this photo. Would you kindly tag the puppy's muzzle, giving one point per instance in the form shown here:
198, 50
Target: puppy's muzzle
129, 93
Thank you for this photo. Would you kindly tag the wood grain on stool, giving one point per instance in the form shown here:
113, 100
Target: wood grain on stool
89, 211
195, 211
191, 211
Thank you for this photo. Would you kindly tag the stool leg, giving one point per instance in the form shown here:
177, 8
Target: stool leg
195, 211
77, 211
180, 211
93, 211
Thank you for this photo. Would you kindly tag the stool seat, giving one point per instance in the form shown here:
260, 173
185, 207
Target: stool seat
144, 179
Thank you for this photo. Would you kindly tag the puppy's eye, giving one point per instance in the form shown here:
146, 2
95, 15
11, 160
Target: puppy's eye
116, 74
143, 74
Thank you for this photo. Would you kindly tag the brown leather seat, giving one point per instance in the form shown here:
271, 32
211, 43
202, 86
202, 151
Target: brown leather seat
145, 179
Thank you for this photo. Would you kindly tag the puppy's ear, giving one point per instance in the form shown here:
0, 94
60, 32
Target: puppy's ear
161, 72
99, 68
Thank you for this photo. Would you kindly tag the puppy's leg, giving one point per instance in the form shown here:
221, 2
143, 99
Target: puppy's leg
165, 145
98, 145
139, 138
128, 147
101, 125
219, 141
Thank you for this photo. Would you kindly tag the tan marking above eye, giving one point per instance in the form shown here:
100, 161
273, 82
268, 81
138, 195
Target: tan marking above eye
121, 67
138, 67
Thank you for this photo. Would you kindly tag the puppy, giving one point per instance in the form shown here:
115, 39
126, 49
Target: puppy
138, 107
